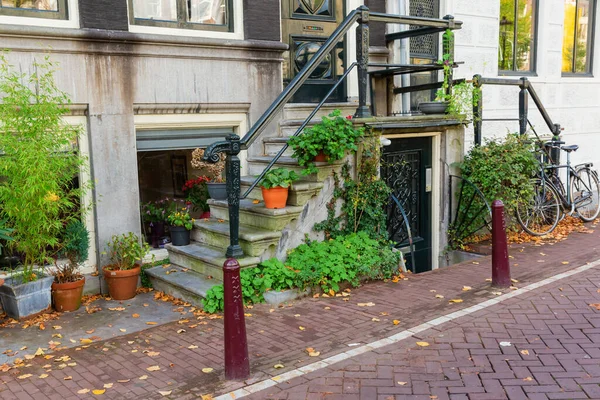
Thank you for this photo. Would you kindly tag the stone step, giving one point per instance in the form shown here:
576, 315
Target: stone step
272, 146
256, 165
255, 242
184, 284
299, 194
257, 215
204, 259
289, 127
302, 110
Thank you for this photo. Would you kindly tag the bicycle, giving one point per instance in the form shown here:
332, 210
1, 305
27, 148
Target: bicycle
552, 199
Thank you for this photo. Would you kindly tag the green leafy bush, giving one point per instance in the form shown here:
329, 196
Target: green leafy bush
4, 233
279, 177
346, 258
75, 246
214, 300
40, 159
334, 136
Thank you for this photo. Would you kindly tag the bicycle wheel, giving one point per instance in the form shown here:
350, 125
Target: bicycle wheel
541, 213
585, 194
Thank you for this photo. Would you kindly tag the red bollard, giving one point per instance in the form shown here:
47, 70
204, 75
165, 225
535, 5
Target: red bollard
500, 266
237, 364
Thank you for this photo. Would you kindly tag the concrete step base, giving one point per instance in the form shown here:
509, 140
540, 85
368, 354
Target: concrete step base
257, 215
299, 194
184, 284
256, 165
302, 110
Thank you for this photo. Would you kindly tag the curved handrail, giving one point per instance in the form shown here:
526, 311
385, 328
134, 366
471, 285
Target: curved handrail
410, 241
299, 79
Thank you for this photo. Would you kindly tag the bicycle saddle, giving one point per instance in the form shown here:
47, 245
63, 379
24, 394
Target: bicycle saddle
570, 148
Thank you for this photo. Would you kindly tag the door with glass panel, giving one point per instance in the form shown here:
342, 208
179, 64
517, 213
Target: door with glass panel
306, 25
184, 14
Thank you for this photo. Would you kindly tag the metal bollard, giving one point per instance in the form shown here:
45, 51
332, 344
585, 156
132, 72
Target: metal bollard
237, 364
500, 266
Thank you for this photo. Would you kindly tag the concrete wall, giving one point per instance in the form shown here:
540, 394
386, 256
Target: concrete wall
573, 102
111, 73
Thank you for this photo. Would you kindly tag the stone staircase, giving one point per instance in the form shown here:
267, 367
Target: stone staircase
264, 233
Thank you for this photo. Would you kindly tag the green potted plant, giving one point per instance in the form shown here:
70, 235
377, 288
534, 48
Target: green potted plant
126, 252
217, 188
442, 96
37, 195
275, 186
67, 287
181, 223
154, 213
196, 193
328, 140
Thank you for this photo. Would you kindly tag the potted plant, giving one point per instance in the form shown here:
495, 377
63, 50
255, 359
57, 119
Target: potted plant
39, 163
196, 193
154, 213
275, 186
181, 223
442, 96
330, 140
217, 188
67, 287
126, 252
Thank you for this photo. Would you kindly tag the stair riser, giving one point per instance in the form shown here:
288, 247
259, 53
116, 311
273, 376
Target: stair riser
202, 267
271, 223
324, 170
271, 149
254, 249
295, 197
177, 292
303, 112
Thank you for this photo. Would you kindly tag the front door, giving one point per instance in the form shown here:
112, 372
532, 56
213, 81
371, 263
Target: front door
406, 168
306, 25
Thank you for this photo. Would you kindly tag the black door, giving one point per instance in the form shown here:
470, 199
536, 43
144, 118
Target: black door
306, 25
404, 167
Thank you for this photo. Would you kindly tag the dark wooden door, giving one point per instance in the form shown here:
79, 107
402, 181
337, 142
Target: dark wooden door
306, 25
405, 165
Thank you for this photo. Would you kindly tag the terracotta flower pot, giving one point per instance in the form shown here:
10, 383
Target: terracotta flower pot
122, 284
275, 197
67, 296
321, 157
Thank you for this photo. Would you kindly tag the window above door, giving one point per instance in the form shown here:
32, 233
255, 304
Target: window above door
578, 37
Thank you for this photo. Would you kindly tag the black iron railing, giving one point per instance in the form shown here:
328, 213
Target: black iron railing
233, 145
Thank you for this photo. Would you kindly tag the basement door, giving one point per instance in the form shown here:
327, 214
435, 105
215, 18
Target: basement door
305, 26
406, 168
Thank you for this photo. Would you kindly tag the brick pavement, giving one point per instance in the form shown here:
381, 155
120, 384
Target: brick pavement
274, 336
551, 350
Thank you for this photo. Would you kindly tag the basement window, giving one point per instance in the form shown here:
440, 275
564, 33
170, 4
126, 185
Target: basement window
52, 9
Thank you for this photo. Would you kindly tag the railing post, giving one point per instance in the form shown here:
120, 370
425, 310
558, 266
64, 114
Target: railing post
500, 266
523, 106
477, 109
362, 60
232, 166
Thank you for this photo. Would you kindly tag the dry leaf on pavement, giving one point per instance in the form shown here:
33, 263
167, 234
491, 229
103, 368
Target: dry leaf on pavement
466, 288
278, 366
422, 344
395, 322
135, 315
207, 370
369, 304
153, 368
439, 296
98, 392
143, 377
312, 352
456, 301
83, 391
165, 392
525, 352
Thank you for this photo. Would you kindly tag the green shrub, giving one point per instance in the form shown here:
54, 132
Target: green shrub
346, 258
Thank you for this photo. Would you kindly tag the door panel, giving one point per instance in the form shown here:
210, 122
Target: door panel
306, 25
404, 168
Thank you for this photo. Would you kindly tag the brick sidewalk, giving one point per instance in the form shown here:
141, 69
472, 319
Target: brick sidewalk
550, 350
274, 335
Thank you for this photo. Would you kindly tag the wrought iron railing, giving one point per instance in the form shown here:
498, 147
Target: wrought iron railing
233, 145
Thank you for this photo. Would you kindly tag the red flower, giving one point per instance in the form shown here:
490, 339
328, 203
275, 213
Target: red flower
349, 117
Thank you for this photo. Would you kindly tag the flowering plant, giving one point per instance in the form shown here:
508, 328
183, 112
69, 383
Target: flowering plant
213, 170
155, 211
181, 217
196, 193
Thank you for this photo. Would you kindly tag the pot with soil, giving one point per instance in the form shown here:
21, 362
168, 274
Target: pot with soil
217, 191
275, 186
122, 283
67, 296
126, 252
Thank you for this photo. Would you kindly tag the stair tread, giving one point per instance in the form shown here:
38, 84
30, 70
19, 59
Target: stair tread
276, 139
247, 233
282, 160
259, 208
248, 180
329, 105
209, 254
184, 278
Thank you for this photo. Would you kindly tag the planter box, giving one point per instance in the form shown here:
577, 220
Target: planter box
26, 299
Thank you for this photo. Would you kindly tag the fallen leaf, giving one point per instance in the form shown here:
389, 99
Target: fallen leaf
207, 396
456, 301
151, 323
108, 385
255, 201
220, 220
85, 341
57, 335
401, 383
135, 315
278, 366
143, 377
153, 368
565, 262
123, 330
525, 352
98, 392
497, 293
247, 315
123, 380
375, 319
68, 378
42, 326
83, 391
433, 397
514, 281
466, 288
422, 344
327, 308
181, 331
57, 327
597, 305
207, 370
165, 392
475, 262
396, 322
29, 356
439, 296
302, 328
514, 288
488, 280
505, 344
369, 304
43, 376
528, 379
192, 347
24, 376
152, 353
116, 308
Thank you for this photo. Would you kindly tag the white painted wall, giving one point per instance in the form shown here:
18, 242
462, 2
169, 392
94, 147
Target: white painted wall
573, 102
